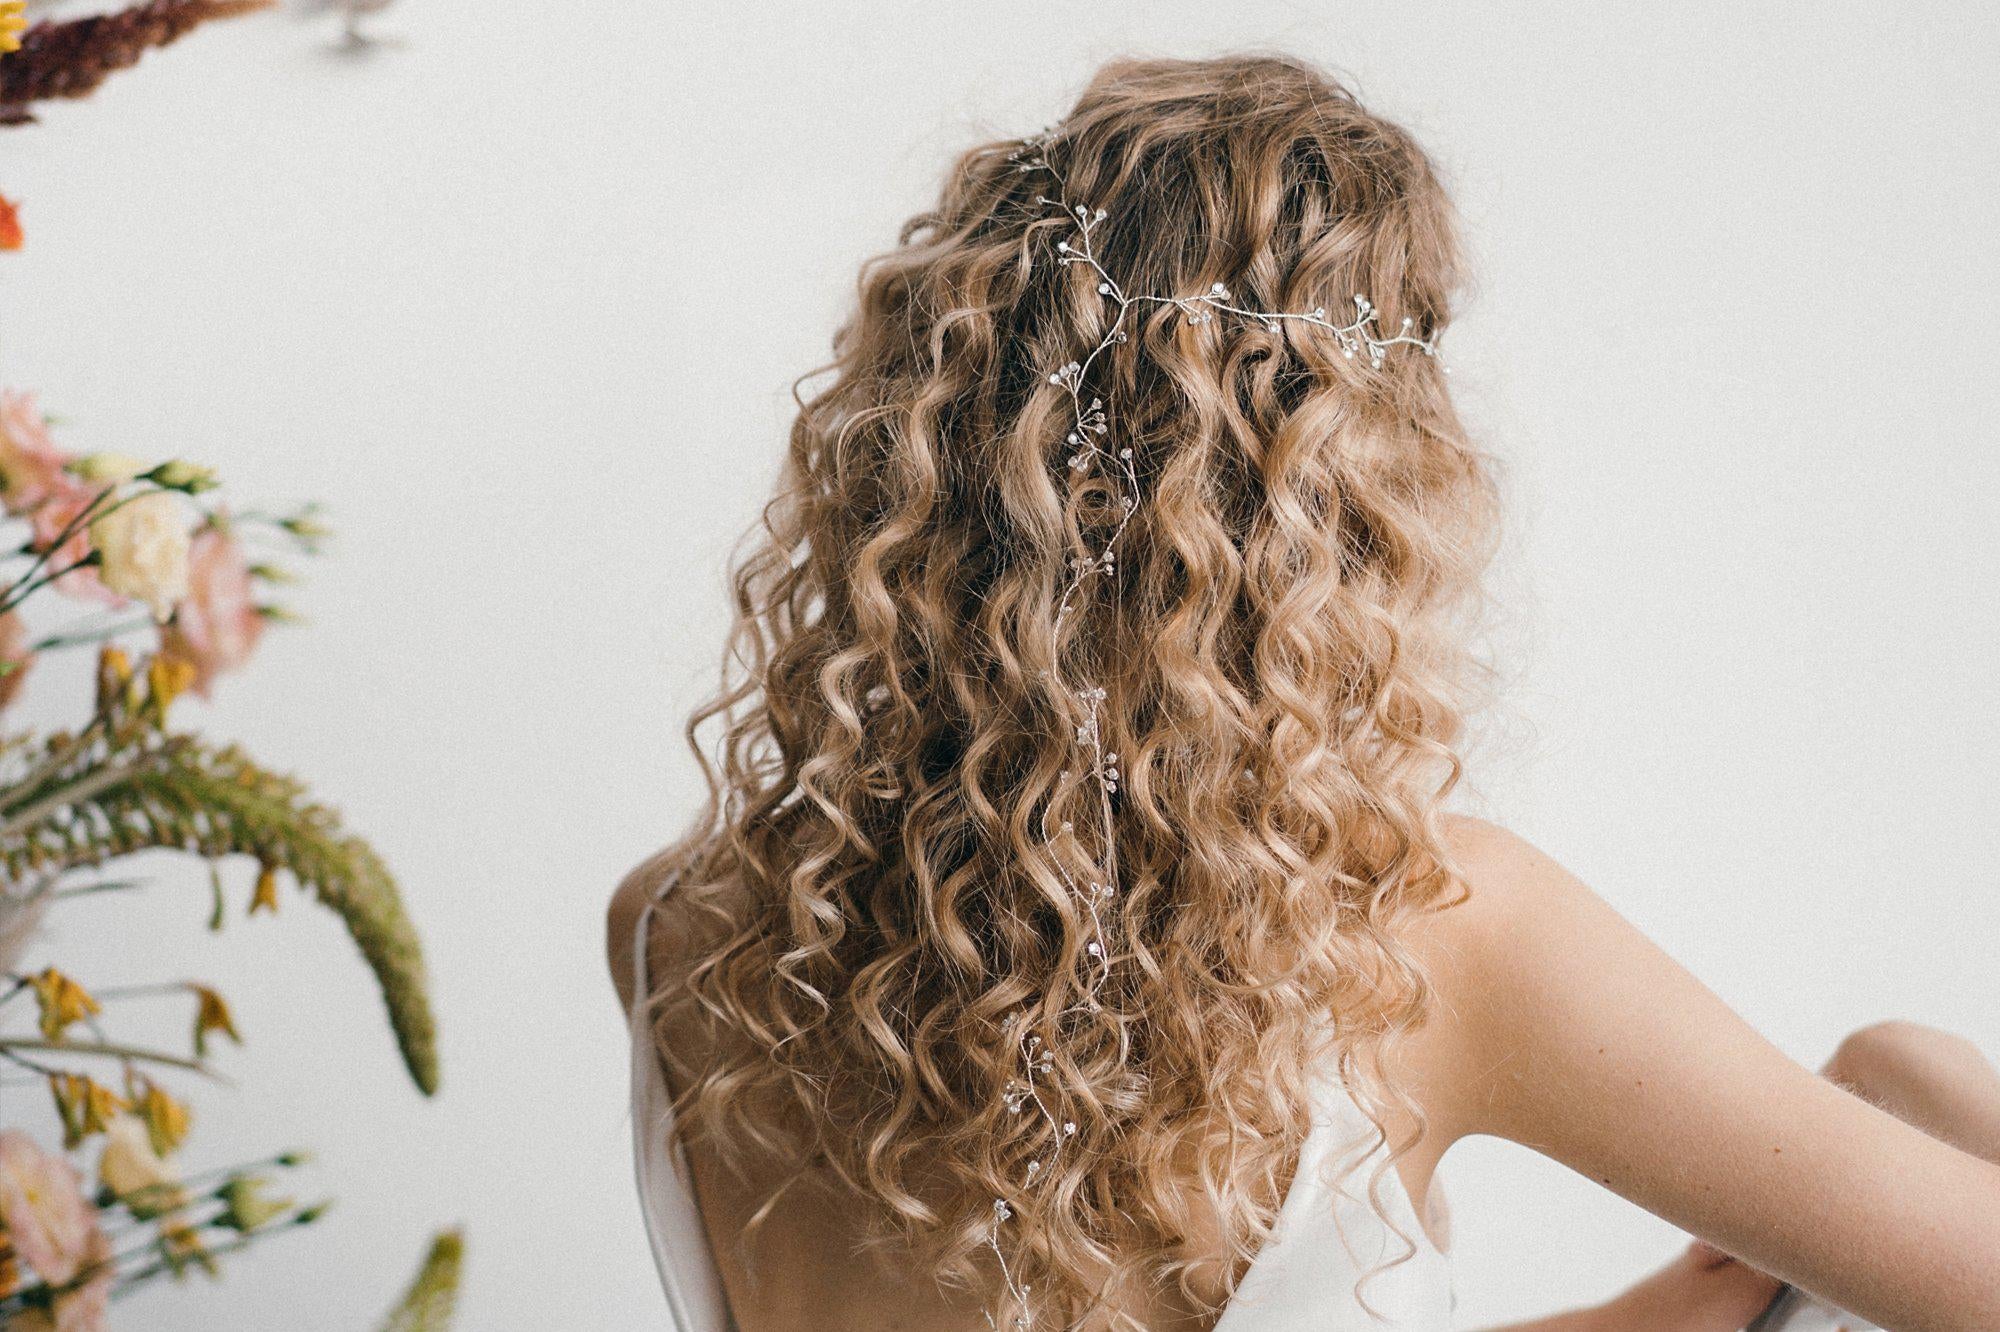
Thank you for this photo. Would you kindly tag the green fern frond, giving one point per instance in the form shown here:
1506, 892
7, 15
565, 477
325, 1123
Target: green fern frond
428, 1305
135, 791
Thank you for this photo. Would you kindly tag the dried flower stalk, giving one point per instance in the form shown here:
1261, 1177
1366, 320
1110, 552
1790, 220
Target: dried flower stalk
71, 58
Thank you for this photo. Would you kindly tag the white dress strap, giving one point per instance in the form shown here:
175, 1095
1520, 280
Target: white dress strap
696, 1300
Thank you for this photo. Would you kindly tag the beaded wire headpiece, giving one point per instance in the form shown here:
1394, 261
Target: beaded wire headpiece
1093, 450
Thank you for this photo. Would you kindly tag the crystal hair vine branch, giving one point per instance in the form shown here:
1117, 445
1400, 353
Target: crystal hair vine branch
1092, 451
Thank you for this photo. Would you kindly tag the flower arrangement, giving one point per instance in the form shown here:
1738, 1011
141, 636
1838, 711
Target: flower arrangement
166, 586
169, 588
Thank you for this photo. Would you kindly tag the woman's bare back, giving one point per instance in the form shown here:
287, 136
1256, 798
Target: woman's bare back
1559, 1026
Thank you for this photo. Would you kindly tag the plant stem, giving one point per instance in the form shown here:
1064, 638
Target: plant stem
81, 789
106, 1050
54, 763
106, 886
49, 548
97, 634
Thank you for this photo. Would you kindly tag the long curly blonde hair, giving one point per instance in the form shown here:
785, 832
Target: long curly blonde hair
1282, 651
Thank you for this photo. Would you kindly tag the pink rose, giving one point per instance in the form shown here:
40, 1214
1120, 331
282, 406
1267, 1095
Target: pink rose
30, 463
53, 1230
67, 497
218, 624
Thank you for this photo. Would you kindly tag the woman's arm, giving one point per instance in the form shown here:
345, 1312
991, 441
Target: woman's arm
1559, 1026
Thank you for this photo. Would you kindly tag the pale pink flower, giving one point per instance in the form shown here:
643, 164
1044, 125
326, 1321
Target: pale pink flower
218, 625
83, 1309
53, 1230
30, 462
68, 496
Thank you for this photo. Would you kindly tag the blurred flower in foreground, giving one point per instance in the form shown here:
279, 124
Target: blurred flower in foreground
247, 1206
144, 544
13, 22
10, 225
219, 624
131, 1171
30, 462
60, 532
42, 1206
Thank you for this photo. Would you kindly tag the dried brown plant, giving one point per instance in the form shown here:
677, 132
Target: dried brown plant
72, 57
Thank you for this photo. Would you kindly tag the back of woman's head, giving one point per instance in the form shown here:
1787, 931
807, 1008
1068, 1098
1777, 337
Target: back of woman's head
889, 866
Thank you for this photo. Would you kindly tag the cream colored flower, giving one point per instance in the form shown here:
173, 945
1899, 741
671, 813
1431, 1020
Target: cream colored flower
115, 468
142, 1179
144, 544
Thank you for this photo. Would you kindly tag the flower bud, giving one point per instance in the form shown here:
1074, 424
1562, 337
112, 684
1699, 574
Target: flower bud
112, 468
190, 478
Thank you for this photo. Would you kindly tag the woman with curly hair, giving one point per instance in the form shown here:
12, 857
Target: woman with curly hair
1074, 937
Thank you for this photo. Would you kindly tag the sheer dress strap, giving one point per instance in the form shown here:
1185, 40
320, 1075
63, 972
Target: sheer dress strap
695, 1296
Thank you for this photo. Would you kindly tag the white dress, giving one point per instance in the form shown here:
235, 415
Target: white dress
1328, 1241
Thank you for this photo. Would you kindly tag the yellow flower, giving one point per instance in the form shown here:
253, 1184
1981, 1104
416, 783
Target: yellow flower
211, 1014
144, 545
167, 1120
168, 677
115, 688
13, 22
181, 1246
265, 897
62, 1002
84, 1105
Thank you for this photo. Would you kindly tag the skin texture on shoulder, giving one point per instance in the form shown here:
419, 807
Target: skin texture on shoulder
1559, 1026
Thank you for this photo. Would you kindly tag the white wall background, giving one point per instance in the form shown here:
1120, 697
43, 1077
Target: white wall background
520, 299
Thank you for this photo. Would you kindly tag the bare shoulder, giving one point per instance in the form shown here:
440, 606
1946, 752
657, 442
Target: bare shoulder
621, 920
1514, 894
1517, 904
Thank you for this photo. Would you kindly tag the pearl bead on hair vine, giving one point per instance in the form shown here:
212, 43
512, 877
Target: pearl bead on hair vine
1092, 451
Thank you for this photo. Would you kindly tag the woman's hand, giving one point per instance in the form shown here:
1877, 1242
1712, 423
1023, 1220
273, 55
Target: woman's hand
1703, 1290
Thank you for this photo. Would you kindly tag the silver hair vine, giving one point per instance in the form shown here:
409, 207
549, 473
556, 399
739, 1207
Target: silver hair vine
1093, 450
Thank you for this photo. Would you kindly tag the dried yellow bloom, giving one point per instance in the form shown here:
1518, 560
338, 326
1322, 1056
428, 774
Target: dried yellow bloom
13, 22
265, 898
84, 1105
114, 680
167, 677
167, 1120
181, 1246
211, 1014
62, 1002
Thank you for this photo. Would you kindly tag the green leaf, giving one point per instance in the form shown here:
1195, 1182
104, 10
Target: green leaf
428, 1305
